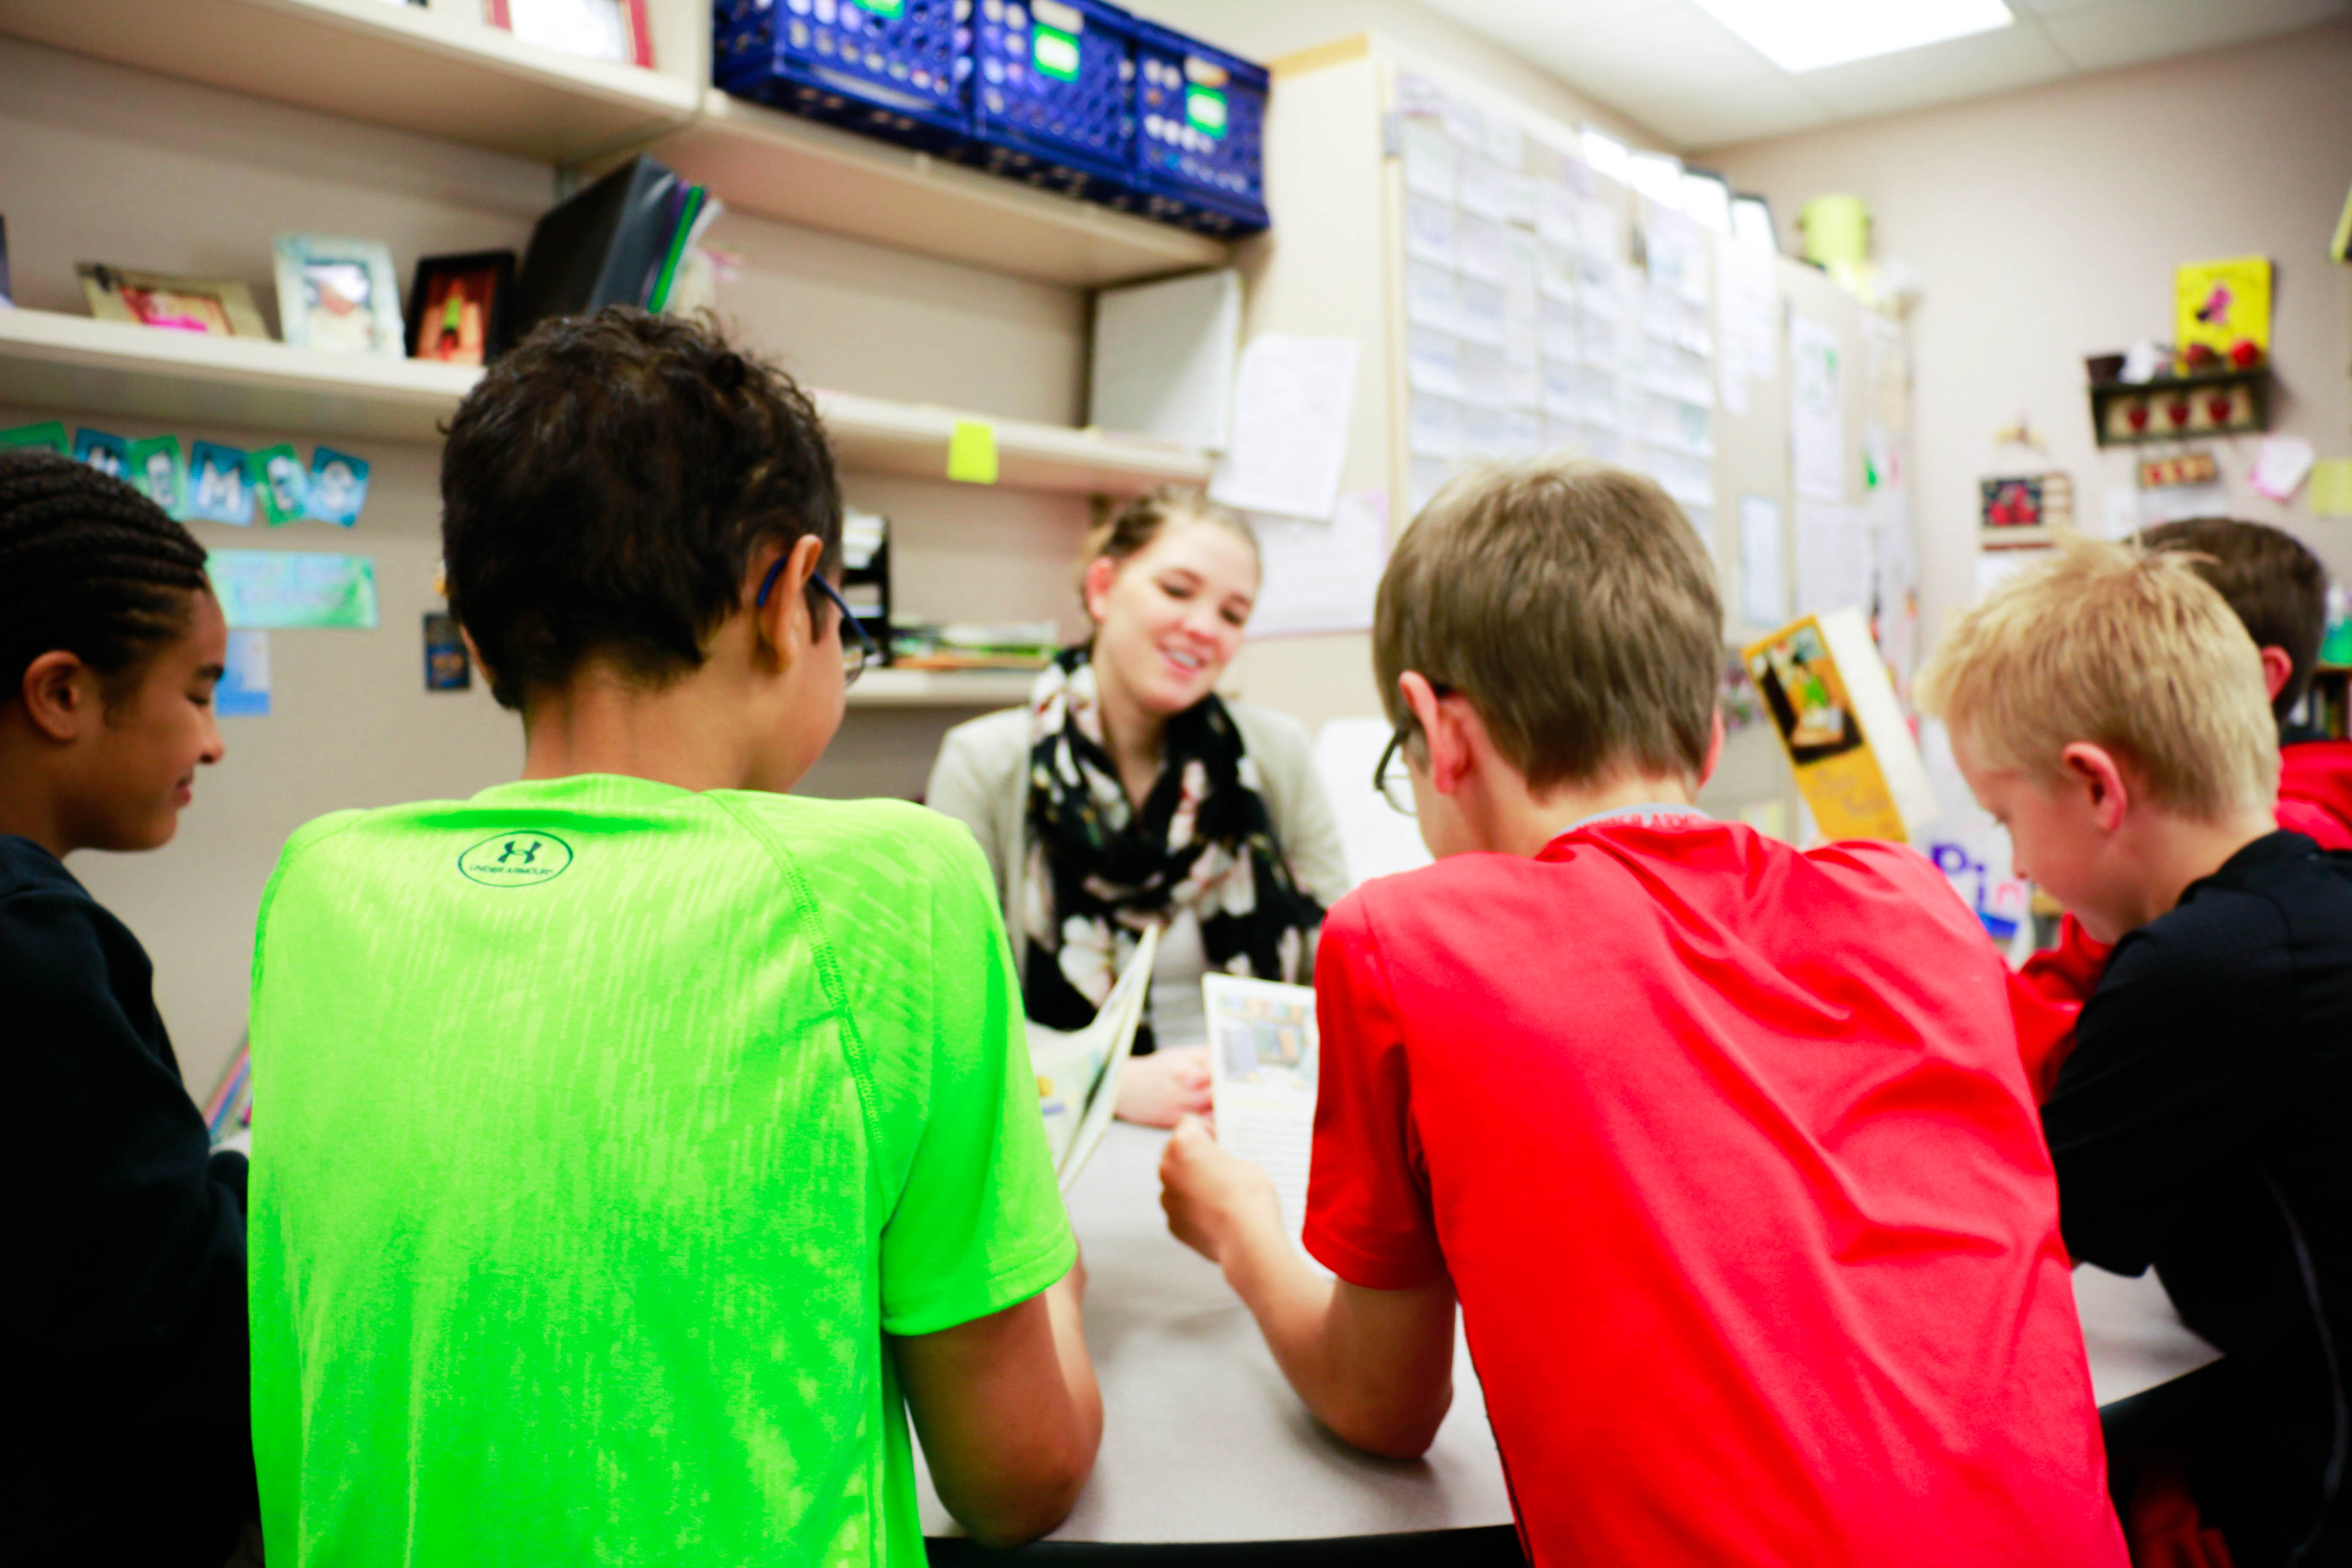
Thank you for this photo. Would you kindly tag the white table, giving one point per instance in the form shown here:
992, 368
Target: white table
1203, 1441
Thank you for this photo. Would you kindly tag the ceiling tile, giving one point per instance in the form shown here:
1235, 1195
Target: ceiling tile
2057, 7
1674, 50
1982, 63
2127, 32
1742, 112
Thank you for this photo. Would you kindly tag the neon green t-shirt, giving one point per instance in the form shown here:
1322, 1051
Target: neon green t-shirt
606, 1128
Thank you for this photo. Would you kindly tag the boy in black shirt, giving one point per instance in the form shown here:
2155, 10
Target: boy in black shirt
2111, 712
125, 1298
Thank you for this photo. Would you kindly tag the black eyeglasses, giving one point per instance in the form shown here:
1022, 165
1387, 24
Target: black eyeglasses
854, 657
1390, 776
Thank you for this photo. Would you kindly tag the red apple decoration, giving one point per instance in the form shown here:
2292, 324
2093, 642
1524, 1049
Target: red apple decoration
2177, 412
2218, 406
2201, 356
2244, 354
2137, 414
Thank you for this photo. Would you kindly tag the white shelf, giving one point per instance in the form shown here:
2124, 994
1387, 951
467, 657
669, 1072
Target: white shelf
760, 159
73, 364
883, 687
440, 72
76, 365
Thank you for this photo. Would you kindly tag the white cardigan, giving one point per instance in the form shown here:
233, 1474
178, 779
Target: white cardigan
981, 779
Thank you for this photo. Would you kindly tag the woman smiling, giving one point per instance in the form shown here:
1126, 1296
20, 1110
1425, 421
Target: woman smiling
1127, 794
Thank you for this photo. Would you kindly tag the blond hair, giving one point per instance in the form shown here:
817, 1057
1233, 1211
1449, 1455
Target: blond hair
2132, 651
1575, 606
1129, 530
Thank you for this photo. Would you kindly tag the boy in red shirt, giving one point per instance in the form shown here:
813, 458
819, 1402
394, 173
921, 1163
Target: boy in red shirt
2278, 588
1724, 1149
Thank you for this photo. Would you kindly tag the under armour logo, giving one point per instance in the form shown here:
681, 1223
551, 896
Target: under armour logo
528, 855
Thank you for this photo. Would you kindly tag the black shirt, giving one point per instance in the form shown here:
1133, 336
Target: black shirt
2213, 1064
125, 1295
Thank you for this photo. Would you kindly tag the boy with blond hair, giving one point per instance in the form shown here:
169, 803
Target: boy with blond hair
1724, 1149
2111, 712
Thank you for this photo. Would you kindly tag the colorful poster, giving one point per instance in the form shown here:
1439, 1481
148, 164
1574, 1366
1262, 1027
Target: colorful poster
279, 483
2220, 303
49, 436
154, 467
217, 488
107, 453
338, 487
260, 589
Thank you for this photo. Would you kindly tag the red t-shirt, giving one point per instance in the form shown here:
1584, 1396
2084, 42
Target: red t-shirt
1729, 1154
2316, 791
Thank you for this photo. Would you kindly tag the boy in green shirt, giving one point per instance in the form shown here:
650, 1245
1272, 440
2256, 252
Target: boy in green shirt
638, 1136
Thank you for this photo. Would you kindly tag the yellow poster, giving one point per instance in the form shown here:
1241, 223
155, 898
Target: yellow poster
2218, 303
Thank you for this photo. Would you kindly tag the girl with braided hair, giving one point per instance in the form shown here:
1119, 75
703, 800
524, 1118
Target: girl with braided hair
126, 1305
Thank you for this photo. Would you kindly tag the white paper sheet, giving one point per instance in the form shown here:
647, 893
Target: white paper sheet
1816, 412
1763, 584
1263, 1071
1321, 576
1293, 397
1481, 190
2282, 467
1431, 160
1428, 230
1484, 253
1833, 558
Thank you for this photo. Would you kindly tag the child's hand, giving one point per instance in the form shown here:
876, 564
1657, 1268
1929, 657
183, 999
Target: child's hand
1158, 1088
1213, 1199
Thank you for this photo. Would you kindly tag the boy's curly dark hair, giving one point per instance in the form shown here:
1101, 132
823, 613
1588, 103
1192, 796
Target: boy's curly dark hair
605, 486
89, 566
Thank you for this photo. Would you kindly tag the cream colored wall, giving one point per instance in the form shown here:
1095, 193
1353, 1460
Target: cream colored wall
2047, 223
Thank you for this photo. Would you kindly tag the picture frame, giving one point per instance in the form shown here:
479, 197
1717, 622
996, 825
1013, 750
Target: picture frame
457, 306
217, 307
338, 295
612, 30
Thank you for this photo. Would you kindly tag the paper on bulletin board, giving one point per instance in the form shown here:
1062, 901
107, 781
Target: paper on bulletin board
2280, 468
243, 691
1816, 410
1763, 584
2331, 488
1321, 576
1834, 566
1293, 397
260, 589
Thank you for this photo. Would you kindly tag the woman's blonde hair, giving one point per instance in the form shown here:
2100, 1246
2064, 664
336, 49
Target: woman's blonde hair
2129, 650
1130, 530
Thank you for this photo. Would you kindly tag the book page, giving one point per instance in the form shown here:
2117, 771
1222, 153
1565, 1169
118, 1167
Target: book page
1077, 1071
1262, 1063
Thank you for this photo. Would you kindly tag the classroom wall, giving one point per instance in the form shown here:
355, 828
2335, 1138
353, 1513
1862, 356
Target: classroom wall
2047, 225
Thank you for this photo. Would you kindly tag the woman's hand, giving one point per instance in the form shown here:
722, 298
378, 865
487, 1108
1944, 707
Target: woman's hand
1158, 1089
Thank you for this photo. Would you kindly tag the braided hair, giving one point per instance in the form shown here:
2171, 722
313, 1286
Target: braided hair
87, 565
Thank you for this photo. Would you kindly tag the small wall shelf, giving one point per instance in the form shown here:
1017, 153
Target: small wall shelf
76, 365
2182, 407
762, 160
440, 72
885, 687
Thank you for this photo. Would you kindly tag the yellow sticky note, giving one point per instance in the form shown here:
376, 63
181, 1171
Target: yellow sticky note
2331, 488
972, 452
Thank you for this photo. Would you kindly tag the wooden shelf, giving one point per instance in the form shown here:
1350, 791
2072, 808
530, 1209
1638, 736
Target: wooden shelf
438, 72
762, 161
886, 688
75, 365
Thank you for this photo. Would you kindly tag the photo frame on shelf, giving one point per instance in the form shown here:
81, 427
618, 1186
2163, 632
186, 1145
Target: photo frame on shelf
217, 307
338, 295
457, 306
612, 30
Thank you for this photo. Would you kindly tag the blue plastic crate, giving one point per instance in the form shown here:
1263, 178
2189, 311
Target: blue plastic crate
1051, 95
1200, 137
892, 68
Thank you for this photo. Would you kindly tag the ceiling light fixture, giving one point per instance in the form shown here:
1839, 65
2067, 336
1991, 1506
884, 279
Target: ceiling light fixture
1806, 35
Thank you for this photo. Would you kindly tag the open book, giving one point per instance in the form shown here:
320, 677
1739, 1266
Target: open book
1262, 1066
1077, 1072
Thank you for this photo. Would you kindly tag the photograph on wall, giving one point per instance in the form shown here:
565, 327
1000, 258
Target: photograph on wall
109, 454
447, 666
279, 483
219, 488
217, 307
338, 487
154, 467
338, 295
457, 306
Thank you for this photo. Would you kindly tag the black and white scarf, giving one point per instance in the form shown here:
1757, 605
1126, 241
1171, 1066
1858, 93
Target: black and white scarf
1101, 870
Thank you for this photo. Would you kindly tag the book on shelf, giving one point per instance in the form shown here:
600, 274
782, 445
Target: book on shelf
976, 645
623, 240
1858, 763
1079, 1070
